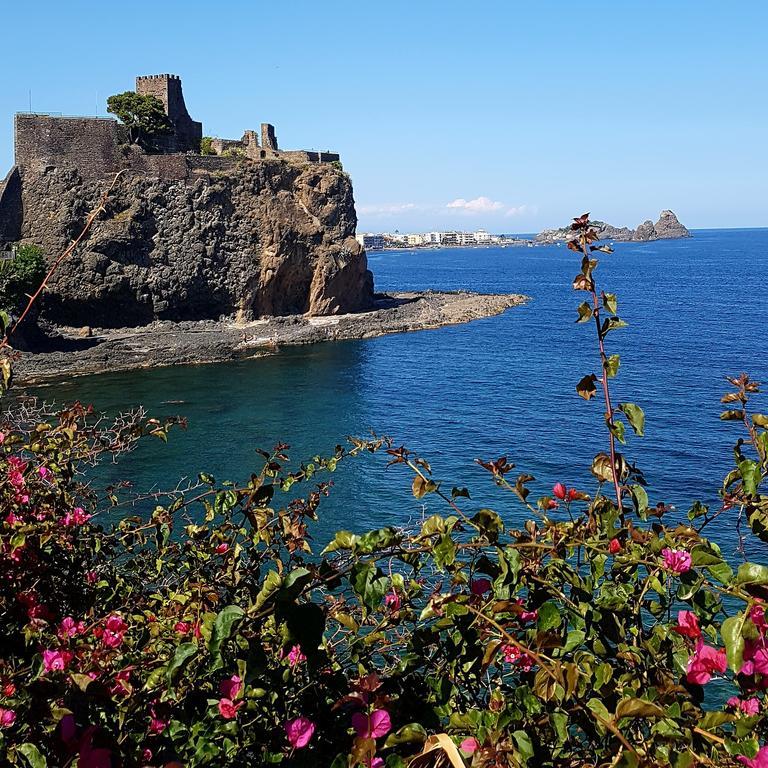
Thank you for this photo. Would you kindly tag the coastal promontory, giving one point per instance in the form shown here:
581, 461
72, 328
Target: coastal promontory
667, 227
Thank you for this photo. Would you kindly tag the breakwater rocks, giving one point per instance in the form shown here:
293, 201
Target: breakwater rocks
74, 352
666, 227
247, 240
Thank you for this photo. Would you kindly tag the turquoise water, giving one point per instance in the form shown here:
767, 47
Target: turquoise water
503, 385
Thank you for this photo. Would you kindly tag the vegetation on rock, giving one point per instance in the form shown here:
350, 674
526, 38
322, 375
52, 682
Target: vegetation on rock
143, 114
20, 276
208, 632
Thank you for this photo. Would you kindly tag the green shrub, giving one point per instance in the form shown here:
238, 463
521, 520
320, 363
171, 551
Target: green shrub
20, 277
207, 632
206, 146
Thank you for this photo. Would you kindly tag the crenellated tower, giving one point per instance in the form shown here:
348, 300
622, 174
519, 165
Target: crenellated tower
167, 88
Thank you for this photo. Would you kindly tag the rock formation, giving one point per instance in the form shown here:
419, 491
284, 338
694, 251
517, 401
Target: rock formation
255, 239
666, 227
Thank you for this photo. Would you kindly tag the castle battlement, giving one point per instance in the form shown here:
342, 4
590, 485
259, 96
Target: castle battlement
99, 146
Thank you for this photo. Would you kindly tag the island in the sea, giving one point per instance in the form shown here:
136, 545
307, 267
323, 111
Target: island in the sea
220, 236
667, 227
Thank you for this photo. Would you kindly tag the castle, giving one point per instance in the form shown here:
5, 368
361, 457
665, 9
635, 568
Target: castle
98, 147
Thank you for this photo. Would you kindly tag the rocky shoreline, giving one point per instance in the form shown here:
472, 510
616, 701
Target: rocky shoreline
75, 352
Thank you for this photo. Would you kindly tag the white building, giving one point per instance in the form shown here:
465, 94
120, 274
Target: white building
369, 241
482, 237
433, 238
415, 240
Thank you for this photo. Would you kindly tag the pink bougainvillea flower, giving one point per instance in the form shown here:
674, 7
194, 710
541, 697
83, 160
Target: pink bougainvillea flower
470, 745
757, 617
228, 708
559, 491
746, 706
614, 546
56, 660
70, 628
480, 586
44, 472
552, 504
513, 655
230, 687
299, 732
372, 726
704, 663
687, 624
392, 600
146, 755
78, 516
222, 548
573, 494
182, 627
156, 724
91, 577
760, 760
676, 560
295, 656
114, 631
9, 689
377, 762
7, 718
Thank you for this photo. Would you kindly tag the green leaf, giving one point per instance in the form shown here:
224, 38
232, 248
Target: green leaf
586, 387
634, 707
413, 733
342, 540
750, 475
616, 428
32, 755
611, 365
611, 324
524, 745
585, 312
184, 652
732, 415
222, 628
639, 498
421, 486
760, 420
549, 617
610, 302
752, 573
731, 630
635, 416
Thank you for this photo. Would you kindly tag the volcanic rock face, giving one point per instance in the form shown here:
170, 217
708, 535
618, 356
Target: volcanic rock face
259, 239
666, 227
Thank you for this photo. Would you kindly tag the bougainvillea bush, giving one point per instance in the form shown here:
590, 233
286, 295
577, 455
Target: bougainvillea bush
208, 632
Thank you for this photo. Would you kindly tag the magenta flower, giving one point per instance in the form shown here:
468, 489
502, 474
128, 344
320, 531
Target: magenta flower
559, 491
513, 655
115, 629
299, 732
44, 472
78, 516
295, 656
56, 661
222, 548
377, 762
228, 708
230, 687
746, 706
480, 586
70, 628
676, 560
704, 663
372, 726
470, 745
687, 624
760, 760
156, 724
7, 718
757, 617
392, 600
182, 627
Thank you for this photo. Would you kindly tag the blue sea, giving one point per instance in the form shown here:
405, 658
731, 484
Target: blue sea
697, 311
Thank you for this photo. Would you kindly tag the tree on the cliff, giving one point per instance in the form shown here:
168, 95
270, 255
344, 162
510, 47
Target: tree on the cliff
143, 114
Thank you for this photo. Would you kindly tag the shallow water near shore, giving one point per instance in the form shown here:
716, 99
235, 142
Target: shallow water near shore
499, 386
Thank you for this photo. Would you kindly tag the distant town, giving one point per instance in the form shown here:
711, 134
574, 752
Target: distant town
382, 240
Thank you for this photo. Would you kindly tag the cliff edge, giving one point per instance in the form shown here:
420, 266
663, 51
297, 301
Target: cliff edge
247, 240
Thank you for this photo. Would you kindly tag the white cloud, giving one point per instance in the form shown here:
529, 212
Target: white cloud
522, 210
477, 205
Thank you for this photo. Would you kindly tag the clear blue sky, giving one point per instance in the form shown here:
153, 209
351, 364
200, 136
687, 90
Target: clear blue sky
507, 115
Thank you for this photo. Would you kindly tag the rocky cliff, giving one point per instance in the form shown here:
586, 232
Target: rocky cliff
257, 239
666, 227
